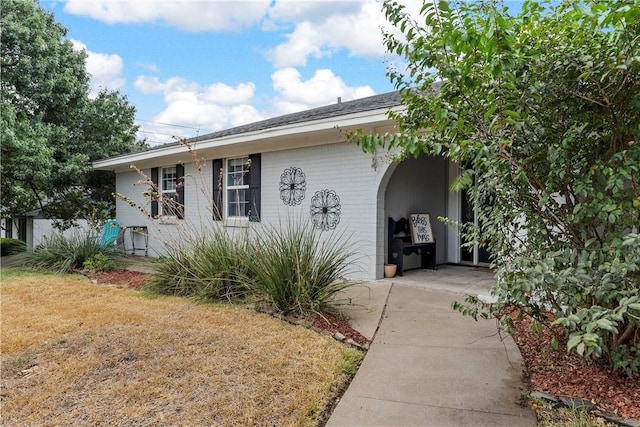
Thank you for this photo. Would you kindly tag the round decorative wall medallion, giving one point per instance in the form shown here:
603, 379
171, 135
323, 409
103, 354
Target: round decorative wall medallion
293, 185
325, 209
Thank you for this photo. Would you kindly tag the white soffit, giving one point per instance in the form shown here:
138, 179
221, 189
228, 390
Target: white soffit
296, 135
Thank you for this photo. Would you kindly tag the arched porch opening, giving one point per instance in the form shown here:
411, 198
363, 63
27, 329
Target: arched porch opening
415, 185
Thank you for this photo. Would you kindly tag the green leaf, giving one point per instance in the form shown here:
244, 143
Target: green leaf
574, 341
490, 112
443, 5
511, 113
583, 10
606, 325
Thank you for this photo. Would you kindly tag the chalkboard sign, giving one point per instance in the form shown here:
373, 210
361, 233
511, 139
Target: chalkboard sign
421, 228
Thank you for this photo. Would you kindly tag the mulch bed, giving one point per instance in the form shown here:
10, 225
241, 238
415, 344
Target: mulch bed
559, 373
331, 324
130, 279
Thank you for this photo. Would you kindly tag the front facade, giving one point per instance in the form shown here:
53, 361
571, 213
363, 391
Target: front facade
294, 167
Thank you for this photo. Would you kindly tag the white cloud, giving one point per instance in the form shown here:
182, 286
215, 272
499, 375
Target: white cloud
187, 15
312, 10
151, 67
149, 85
105, 69
354, 26
303, 42
186, 109
223, 94
243, 114
323, 88
360, 33
196, 109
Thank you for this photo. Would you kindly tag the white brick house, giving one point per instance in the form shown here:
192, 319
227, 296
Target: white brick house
306, 149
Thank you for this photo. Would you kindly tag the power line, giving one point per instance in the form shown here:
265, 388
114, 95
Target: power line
157, 133
178, 126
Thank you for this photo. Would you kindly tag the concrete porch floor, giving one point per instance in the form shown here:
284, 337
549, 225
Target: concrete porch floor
363, 303
142, 264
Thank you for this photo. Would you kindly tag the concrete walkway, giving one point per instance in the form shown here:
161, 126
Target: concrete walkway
428, 365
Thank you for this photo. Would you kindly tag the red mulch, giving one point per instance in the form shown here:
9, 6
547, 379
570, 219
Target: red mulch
330, 324
131, 279
326, 323
559, 373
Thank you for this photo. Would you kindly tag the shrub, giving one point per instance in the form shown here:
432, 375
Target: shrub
66, 253
540, 108
206, 268
11, 246
295, 270
99, 262
592, 295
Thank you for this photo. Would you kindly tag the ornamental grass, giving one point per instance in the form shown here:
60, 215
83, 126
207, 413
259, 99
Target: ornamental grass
64, 253
292, 267
203, 267
297, 270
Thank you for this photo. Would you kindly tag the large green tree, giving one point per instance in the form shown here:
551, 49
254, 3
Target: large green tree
51, 129
541, 108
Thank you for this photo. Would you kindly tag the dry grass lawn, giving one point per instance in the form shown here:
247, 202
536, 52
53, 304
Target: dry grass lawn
75, 353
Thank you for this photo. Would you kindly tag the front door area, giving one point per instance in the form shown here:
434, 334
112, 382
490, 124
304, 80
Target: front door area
476, 255
423, 185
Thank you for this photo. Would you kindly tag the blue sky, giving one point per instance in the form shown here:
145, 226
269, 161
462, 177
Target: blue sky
191, 67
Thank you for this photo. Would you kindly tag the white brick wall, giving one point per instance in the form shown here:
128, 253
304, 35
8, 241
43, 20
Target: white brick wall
344, 168
163, 234
340, 167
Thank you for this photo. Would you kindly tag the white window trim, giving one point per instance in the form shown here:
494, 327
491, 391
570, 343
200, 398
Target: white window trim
165, 218
239, 221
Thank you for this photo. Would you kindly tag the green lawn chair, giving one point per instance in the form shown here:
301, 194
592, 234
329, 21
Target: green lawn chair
110, 233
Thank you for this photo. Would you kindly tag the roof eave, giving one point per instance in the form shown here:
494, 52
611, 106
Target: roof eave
316, 132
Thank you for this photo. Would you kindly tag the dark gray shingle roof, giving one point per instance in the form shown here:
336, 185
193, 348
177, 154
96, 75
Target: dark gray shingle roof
375, 102
386, 100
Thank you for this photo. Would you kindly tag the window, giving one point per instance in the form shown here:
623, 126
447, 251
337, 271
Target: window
169, 180
236, 188
170, 204
170, 187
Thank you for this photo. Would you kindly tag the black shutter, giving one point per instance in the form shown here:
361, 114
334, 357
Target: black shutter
155, 192
254, 187
22, 229
8, 227
218, 194
180, 191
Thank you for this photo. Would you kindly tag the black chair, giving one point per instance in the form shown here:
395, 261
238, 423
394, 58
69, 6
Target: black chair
400, 245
